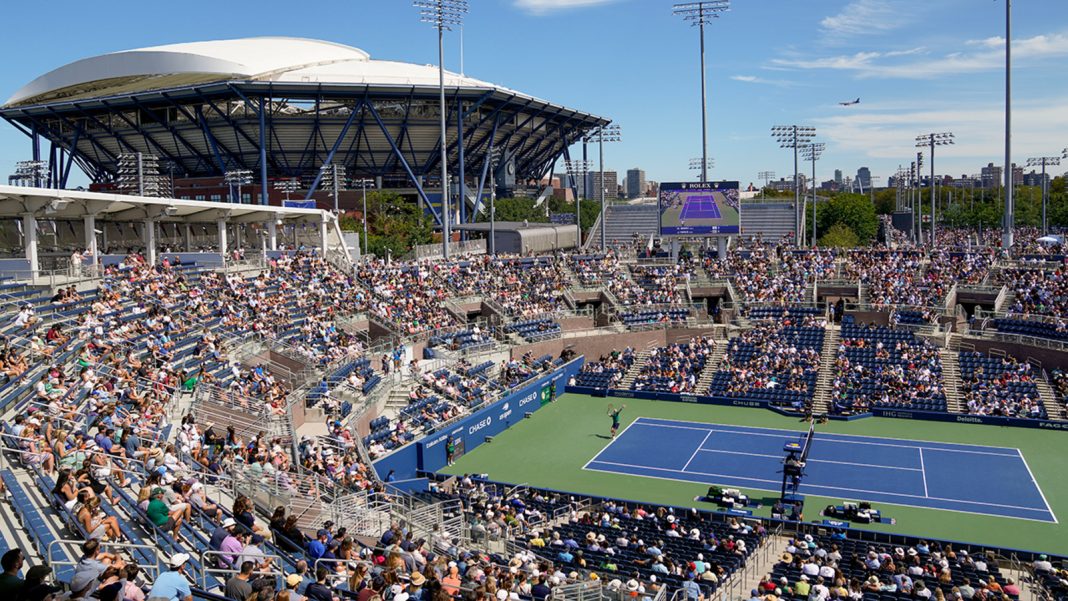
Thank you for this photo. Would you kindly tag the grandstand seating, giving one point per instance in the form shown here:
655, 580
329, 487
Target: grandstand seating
887, 368
999, 386
626, 222
534, 330
1038, 329
772, 363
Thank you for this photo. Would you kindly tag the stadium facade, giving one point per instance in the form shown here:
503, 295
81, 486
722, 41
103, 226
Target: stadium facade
283, 108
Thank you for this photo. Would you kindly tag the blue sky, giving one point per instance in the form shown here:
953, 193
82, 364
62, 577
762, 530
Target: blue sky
917, 65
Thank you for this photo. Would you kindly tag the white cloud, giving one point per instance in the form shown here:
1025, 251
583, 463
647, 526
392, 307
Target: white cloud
760, 80
541, 7
988, 56
864, 17
979, 133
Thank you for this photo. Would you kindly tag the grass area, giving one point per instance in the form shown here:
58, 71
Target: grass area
549, 449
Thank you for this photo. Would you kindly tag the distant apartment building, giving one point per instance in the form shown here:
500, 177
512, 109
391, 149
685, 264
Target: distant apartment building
636, 185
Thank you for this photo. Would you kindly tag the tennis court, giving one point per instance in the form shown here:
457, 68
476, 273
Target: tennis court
700, 207
975, 479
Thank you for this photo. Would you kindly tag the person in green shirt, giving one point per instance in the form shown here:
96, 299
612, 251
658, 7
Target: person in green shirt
160, 515
802, 587
10, 583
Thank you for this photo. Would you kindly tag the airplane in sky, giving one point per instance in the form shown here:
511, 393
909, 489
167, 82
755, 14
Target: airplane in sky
851, 103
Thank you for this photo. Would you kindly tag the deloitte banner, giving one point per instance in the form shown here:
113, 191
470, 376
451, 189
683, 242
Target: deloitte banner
428, 454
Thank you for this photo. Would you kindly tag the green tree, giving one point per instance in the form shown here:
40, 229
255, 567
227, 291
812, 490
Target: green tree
855, 211
840, 236
393, 223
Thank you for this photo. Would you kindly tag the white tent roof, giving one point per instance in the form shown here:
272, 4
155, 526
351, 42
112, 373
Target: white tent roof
275, 59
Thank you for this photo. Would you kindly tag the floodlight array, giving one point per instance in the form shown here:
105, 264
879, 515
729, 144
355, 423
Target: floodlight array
700, 13
443, 14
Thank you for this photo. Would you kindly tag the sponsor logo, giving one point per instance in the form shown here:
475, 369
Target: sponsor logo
738, 403
898, 414
687, 398
530, 398
624, 394
482, 424
967, 419
1053, 425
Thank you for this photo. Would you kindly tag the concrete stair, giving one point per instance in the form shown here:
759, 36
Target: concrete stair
635, 369
622, 222
821, 402
768, 220
951, 379
711, 367
1049, 398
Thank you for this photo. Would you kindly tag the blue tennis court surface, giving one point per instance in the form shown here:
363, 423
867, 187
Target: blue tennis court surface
701, 207
958, 477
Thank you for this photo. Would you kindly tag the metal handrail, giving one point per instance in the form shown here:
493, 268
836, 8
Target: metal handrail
276, 560
149, 551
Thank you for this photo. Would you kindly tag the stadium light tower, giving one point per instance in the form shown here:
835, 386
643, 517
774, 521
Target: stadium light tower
363, 182
813, 152
334, 180
698, 14
702, 165
606, 133
578, 169
1043, 162
796, 137
494, 159
1010, 208
443, 15
287, 186
767, 176
28, 173
932, 140
237, 177
916, 200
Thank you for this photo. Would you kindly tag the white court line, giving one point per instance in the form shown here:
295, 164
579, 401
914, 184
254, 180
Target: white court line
605, 447
885, 467
775, 490
697, 450
923, 471
742, 430
831, 440
833, 488
1035, 482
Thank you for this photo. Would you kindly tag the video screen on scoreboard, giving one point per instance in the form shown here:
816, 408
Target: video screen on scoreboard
699, 209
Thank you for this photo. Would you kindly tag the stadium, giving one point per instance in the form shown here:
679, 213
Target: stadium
217, 400
282, 108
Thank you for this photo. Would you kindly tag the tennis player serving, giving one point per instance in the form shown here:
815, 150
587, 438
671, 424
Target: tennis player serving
614, 414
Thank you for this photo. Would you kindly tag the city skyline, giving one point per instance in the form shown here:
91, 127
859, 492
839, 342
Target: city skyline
912, 75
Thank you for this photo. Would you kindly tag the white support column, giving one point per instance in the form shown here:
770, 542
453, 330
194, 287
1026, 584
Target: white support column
90, 241
150, 241
322, 235
238, 242
222, 238
272, 234
721, 247
29, 238
188, 238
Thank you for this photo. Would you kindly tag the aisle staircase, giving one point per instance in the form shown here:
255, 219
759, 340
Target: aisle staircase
821, 402
1049, 399
635, 369
951, 379
712, 366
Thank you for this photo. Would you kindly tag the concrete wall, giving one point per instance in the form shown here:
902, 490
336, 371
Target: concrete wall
593, 347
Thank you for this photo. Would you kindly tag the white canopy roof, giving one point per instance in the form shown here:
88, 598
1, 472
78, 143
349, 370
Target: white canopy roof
275, 59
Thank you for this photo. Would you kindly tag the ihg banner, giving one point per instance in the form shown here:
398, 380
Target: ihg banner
469, 433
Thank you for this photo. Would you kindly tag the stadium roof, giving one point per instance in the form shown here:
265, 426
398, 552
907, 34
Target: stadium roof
284, 108
266, 59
